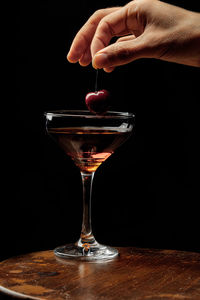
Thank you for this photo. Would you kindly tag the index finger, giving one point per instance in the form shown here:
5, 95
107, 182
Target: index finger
122, 22
85, 35
113, 25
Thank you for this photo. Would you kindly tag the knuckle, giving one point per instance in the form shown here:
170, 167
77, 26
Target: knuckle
99, 13
104, 25
103, 21
95, 19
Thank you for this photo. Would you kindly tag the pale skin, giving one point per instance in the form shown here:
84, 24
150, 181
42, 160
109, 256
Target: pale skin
145, 29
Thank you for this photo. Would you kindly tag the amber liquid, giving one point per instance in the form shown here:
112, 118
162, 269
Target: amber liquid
88, 147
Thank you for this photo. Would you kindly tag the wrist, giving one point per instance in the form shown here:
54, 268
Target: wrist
193, 39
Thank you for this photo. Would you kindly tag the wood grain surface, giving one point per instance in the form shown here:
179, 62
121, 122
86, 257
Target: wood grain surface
136, 274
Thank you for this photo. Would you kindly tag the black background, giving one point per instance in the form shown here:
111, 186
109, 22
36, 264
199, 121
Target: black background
146, 194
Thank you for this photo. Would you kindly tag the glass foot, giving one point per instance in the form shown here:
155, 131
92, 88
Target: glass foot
86, 252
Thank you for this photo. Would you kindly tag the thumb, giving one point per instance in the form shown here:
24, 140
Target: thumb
121, 53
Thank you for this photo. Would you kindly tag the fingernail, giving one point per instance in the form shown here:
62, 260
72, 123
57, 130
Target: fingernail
100, 60
68, 57
71, 59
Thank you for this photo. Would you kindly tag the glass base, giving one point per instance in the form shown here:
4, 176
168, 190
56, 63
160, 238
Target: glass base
86, 252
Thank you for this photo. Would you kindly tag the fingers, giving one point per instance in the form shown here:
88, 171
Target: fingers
86, 58
120, 53
111, 25
80, 48
122, 39
109, 69
91, 42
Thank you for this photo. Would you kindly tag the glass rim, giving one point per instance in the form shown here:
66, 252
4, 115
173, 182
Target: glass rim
87, 114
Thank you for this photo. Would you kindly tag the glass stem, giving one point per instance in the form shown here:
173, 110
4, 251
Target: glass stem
86, 232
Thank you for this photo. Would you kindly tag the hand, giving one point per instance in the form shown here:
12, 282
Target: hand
147, 29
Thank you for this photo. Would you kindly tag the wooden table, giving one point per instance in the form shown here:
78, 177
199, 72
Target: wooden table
138, 274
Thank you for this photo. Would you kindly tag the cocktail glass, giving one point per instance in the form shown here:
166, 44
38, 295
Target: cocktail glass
89, 140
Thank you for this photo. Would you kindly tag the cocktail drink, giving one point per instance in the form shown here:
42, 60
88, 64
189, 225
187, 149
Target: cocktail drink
89, 140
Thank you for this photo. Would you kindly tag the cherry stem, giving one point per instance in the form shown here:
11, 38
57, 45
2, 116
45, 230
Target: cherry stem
96, 80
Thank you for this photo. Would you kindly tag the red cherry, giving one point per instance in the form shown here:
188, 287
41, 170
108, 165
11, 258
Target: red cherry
98, 102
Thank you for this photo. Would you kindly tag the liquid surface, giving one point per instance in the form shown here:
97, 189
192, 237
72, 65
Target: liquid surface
88, 147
